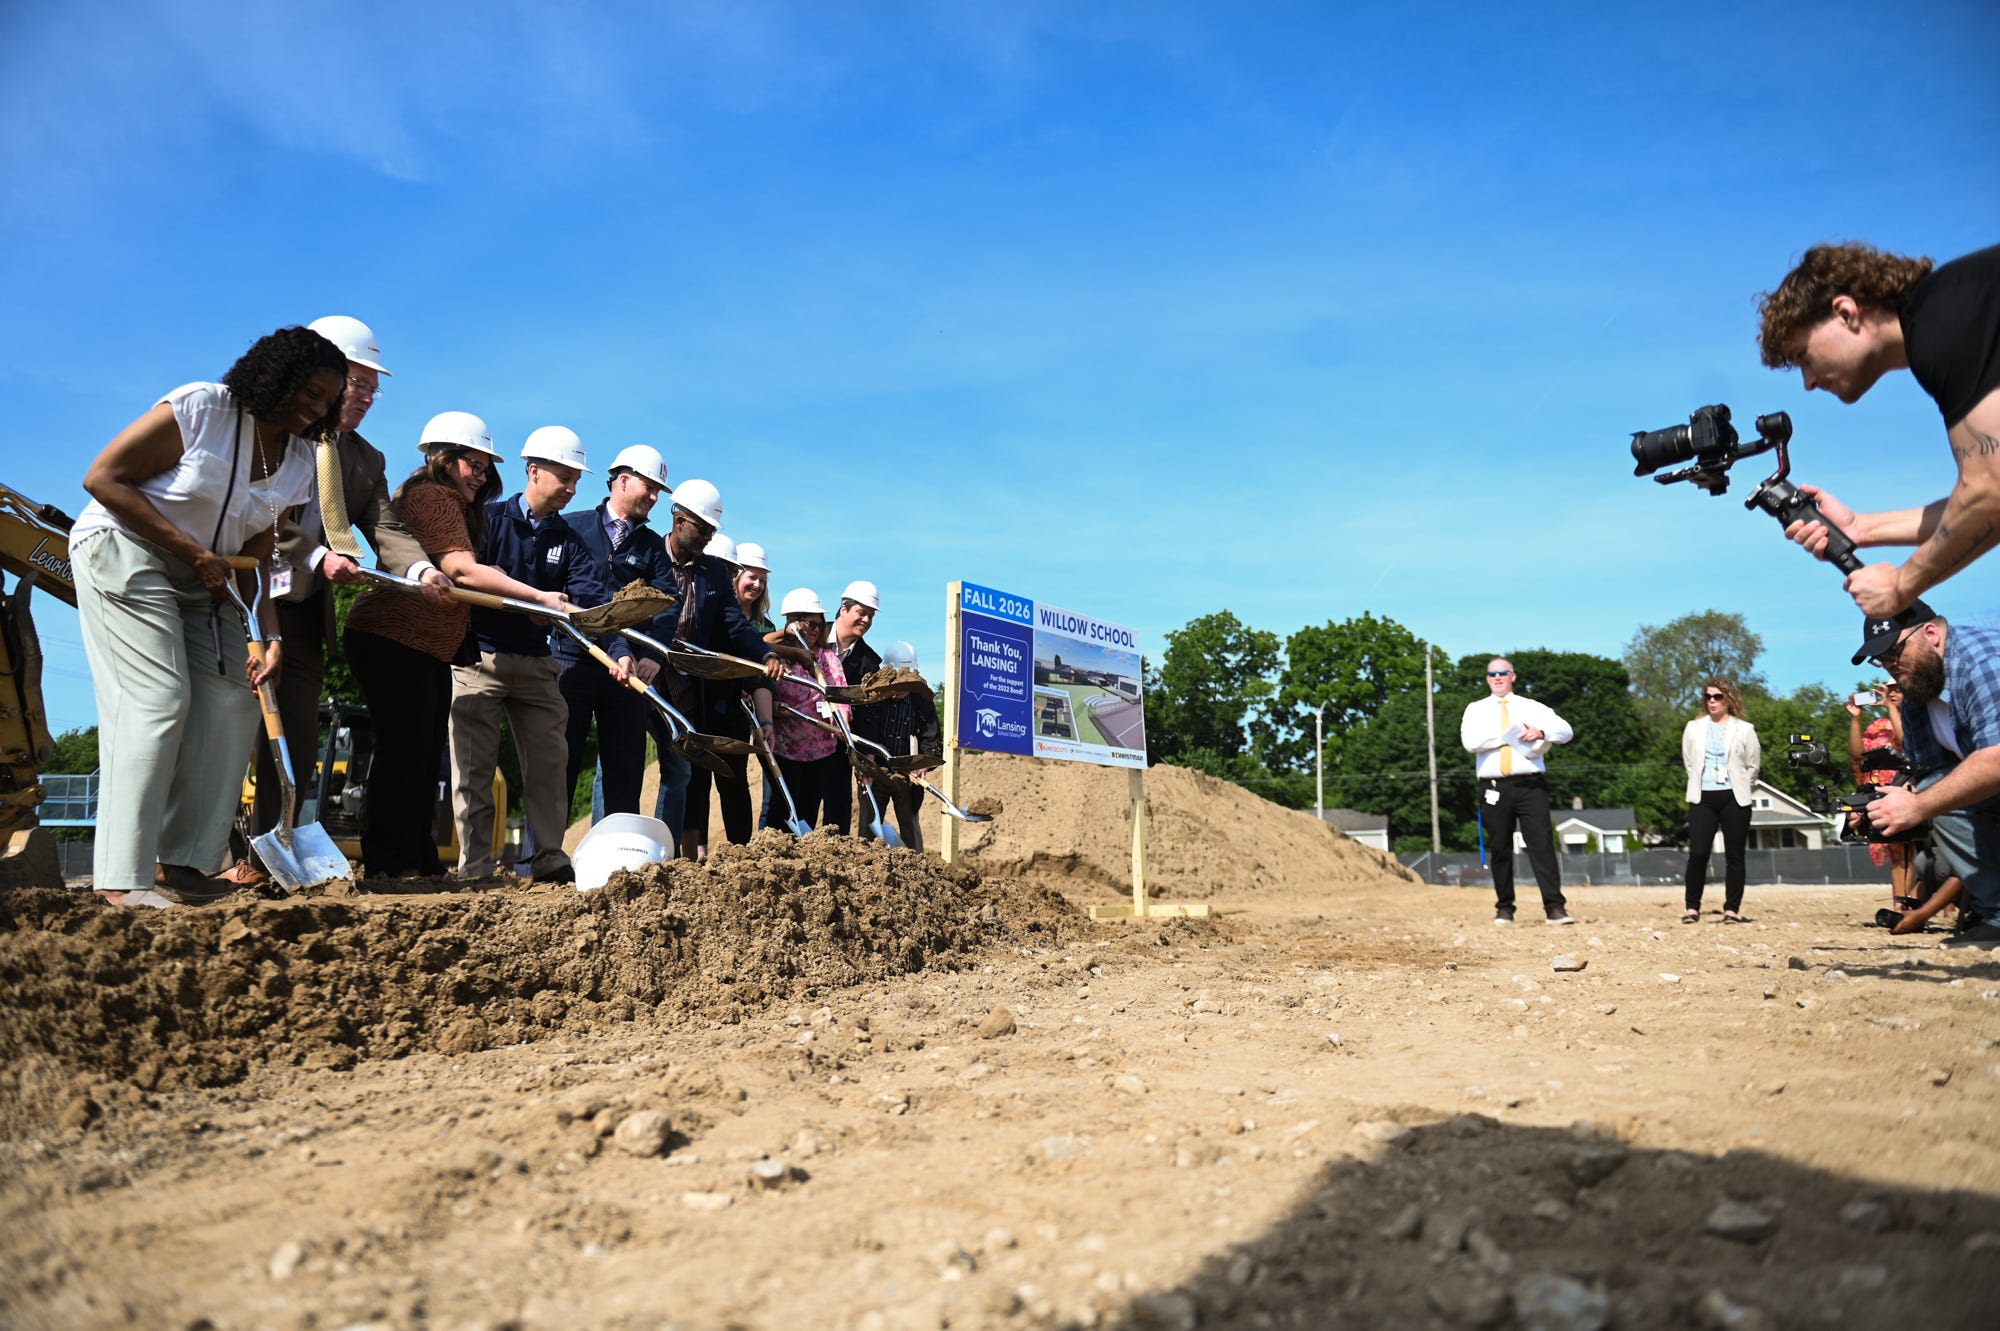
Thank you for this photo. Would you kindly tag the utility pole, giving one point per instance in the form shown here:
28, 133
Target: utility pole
1430, 729
1319, 767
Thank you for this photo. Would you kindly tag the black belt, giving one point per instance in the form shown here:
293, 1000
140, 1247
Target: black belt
1516, 776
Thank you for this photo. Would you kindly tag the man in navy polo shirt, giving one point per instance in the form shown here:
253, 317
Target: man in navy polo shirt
517, 675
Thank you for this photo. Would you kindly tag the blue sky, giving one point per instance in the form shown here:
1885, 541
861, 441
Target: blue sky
1144, 310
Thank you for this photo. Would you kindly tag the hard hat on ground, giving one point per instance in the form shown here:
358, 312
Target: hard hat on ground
701, 499
801, 601
900, 654
457, 429
555, 443
749, 554
862, 593
643, 461
355, 339
721, 547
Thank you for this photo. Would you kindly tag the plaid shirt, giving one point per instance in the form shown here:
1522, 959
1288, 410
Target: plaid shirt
1972, 694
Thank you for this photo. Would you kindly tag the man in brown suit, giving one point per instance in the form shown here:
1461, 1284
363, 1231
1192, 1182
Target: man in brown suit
314, 552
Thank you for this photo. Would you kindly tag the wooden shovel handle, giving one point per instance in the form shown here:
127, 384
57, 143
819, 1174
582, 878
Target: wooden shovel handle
267, 696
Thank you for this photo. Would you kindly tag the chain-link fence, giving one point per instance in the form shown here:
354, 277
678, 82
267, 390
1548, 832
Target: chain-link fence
1835, 864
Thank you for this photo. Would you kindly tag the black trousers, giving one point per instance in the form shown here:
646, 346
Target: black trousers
303, 624
621, 716
732, 792
819, 786
1718, 808
1523, 800
409, 705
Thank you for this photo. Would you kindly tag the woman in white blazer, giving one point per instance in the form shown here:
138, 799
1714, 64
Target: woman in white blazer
1721, 753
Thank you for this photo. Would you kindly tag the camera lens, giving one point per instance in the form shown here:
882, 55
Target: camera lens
1654, 449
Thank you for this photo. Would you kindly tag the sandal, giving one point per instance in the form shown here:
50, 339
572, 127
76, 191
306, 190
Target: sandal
1731, 917
1691, 917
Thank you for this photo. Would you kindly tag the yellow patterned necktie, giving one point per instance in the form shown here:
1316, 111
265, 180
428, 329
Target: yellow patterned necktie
1506, 750
332, 502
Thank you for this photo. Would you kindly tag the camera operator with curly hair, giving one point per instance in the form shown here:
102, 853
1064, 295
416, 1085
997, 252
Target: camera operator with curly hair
1846, 316
1951, 729
201, 477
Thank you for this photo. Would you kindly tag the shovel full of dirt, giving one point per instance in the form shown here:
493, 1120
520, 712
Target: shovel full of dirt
295, 856
634, 603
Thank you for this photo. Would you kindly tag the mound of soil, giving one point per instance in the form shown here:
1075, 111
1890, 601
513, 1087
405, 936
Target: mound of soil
1205, 838
194, 997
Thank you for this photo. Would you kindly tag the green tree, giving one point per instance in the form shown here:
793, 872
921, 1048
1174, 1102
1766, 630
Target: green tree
75, 751
1215, 669
1668, 664
1352, 667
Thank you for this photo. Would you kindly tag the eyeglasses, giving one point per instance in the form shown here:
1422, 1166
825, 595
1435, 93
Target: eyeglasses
480, 466
361, 388
1495, 674
1714, 697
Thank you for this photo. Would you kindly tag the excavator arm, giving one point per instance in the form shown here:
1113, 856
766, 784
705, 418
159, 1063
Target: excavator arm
34, 547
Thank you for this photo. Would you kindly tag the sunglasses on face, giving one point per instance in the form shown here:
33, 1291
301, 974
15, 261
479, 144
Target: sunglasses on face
1496, 674
1894, 654
1713, 697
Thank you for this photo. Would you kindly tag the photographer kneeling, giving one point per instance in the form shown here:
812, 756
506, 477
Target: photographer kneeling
1951, 730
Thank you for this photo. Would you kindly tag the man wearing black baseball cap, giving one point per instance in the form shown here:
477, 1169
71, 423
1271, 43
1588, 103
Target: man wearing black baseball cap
1951, 731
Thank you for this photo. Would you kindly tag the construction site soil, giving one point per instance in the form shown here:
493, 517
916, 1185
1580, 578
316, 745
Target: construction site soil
828, 1084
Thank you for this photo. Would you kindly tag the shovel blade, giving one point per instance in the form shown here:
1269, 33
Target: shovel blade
310, 859
800, 827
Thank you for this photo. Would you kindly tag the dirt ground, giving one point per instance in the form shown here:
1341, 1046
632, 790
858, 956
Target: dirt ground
827, 1085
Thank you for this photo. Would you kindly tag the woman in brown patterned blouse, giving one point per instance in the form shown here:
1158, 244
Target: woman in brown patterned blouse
401, 647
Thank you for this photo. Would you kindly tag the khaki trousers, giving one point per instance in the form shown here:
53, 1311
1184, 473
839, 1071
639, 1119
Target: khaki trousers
175, 715
526, 689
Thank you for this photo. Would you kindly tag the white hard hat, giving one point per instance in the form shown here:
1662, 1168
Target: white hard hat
801, 601
555, 443
863, 593
701, 499
355, 339
749, 554
900, 654
644, 461
721, 547
457, 429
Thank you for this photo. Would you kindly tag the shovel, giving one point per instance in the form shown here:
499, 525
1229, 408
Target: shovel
797, 825
952, 810
707, 750
295, 857
616, 613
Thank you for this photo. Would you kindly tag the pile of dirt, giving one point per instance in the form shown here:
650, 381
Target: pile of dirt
194, 997
1205, 838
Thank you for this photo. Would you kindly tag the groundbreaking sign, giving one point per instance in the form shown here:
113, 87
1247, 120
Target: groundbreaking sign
1050, 683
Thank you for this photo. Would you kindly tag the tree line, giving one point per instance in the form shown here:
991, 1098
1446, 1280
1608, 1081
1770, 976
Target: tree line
1235, 702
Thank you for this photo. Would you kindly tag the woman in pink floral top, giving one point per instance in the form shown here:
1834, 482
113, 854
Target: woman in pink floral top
1883, 732
810, 758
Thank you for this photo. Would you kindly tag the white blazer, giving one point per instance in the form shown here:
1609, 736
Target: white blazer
1744, 754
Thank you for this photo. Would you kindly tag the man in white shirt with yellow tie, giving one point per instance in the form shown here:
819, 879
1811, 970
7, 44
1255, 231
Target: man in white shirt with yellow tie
1509, 737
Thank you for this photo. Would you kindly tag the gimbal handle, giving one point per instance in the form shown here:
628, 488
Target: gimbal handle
1787, 503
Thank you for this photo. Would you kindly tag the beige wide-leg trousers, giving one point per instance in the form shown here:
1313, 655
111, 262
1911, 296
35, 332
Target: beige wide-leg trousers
526, 690
175, 715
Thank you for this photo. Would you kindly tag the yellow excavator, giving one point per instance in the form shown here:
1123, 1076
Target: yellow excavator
34, 547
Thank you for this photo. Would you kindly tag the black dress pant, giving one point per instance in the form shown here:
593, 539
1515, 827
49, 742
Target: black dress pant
819, 786
303, 624
621, 716
721, 714
409, 705
1522, 800
1718, 808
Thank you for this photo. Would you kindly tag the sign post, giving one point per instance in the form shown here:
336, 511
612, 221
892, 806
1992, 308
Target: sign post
1029, 679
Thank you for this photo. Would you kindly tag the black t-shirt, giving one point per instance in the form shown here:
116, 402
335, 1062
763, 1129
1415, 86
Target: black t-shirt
1951, 332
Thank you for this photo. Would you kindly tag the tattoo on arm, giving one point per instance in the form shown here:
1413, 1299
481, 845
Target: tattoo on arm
1983, 445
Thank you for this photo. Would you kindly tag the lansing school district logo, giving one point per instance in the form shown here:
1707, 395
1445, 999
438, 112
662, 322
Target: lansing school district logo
986, 721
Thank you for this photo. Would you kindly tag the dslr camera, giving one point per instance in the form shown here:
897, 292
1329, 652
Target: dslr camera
1810, 754
1710, 441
